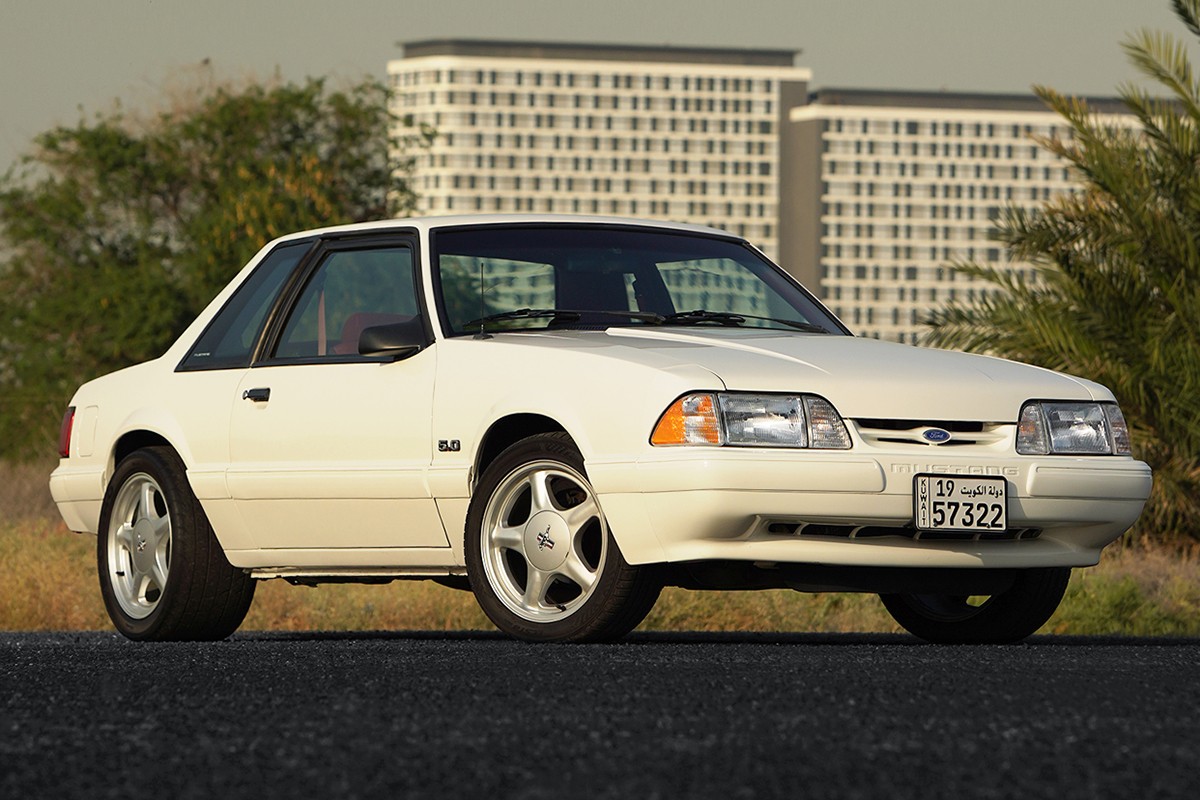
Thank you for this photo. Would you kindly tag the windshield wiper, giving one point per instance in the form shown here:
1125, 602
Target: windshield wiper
645, 316
733, 320
697, 316
522, 313
565, 314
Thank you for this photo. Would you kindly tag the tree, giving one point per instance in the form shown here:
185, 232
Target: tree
117, 231
1117, 295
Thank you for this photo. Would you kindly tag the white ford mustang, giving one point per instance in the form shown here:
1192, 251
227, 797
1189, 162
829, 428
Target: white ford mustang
564, 414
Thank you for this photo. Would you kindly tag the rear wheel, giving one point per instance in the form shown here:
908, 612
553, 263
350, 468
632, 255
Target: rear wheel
998, 619
163, 575
541, 559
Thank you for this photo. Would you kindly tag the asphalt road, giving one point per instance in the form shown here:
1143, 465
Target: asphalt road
659, 715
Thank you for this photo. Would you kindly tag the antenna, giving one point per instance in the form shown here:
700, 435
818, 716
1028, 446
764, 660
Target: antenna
482, 308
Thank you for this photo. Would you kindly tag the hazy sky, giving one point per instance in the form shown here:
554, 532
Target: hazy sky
60, 56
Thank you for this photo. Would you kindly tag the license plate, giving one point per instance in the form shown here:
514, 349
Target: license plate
958, 503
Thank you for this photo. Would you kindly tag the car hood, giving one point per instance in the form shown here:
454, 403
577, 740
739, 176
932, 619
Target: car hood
863, 378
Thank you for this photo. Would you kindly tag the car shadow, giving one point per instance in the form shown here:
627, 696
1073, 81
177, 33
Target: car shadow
643, 638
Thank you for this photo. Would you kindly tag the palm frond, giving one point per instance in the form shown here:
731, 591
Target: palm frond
1117, 293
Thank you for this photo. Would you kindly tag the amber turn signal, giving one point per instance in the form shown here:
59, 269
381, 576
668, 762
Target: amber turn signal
692, 419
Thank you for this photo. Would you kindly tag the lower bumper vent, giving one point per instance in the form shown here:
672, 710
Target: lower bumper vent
814, 529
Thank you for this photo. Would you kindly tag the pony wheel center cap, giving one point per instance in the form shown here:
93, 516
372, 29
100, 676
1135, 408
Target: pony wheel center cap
547, 540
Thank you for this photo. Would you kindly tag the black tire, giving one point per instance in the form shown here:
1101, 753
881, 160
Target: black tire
162, 572
1000, 619
515, 577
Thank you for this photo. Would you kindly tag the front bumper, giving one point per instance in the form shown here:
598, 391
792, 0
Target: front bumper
724, 503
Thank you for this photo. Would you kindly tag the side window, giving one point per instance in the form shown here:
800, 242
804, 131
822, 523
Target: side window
229, 339
351, 290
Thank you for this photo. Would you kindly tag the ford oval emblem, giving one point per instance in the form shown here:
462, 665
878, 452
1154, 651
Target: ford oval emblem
936, 436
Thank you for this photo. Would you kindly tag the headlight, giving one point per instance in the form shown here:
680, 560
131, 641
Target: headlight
752, 420
1046, 428
765, 420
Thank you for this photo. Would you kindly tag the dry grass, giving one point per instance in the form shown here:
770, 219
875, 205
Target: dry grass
773, 610
1141, 591
25, 491
48, 582
403, 605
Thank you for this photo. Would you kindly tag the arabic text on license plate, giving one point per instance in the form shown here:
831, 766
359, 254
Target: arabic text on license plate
958, 503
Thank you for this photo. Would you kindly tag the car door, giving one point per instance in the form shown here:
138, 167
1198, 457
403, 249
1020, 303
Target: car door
328, 448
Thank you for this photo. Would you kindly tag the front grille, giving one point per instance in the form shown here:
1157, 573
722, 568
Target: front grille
954, 426
908, 432
822, 530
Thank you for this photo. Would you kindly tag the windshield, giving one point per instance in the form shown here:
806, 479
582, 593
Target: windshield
589, 278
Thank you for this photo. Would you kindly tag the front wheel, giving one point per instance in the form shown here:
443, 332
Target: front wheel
999, 619
541, 559
163, 574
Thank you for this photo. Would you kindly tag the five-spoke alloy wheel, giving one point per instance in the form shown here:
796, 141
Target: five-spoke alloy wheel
163, 574
139, 547
541, 559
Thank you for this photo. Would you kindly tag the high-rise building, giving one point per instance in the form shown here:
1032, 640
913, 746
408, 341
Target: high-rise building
687, 134
884, 190
866, 196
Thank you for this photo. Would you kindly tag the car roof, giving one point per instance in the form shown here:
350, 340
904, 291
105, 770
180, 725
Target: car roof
426, 224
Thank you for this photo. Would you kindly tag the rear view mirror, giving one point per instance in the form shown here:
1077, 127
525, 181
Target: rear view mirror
396, 341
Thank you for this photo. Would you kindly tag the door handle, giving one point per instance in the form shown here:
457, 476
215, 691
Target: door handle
257, 395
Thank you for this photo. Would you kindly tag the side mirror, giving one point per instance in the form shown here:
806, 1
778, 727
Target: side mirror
396, 341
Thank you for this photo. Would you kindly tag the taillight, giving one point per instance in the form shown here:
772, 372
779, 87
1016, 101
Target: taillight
64, 433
